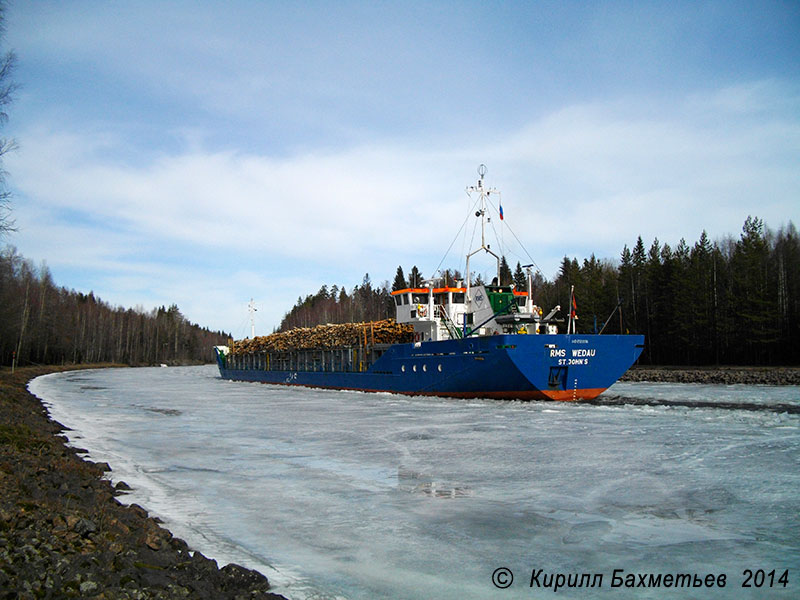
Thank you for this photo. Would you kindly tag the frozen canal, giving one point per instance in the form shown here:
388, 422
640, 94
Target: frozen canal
362, 496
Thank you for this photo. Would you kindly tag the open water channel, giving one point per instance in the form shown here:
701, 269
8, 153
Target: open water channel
356, 495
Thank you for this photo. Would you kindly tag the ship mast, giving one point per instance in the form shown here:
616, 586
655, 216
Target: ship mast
483, 194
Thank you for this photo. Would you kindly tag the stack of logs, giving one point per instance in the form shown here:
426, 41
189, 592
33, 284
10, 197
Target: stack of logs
326, 337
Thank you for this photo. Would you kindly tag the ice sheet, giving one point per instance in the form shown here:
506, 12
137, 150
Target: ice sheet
354, 495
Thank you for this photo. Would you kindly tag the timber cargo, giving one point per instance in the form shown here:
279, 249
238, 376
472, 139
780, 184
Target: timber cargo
326, 337
468, 340
340, 347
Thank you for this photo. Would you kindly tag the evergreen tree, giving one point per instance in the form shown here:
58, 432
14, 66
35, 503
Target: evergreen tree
699, 303
626, 289
639, 292
653, 294
414, 277
520, 279
757, 314
399, 280
598, 291
505, 272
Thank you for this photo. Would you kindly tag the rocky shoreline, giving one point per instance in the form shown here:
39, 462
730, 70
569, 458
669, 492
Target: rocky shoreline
64, 534
716, 375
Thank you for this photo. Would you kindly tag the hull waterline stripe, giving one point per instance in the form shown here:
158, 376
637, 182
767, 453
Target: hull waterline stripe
560, 395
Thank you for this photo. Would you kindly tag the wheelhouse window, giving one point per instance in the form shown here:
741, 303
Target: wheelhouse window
420, 299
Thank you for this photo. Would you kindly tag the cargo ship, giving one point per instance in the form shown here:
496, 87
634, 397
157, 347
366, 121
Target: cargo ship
467, 340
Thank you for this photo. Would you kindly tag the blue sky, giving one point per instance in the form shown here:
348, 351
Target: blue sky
206, 153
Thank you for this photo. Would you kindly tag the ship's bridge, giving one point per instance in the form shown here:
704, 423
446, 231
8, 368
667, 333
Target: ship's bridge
422, 303
448, 312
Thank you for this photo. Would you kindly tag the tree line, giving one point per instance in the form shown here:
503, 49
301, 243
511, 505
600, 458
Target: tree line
335, 305
41, 323
733, 301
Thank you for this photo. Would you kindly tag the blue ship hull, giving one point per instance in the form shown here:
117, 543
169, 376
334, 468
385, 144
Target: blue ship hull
513, 367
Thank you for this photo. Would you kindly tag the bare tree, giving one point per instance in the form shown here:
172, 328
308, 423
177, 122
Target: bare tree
7, 87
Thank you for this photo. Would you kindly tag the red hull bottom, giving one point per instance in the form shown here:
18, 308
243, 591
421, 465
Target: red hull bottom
557, 395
